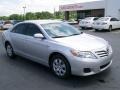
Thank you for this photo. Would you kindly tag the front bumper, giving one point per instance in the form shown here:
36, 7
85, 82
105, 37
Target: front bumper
86, 67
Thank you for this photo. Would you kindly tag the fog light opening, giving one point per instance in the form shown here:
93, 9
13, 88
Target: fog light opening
87, 70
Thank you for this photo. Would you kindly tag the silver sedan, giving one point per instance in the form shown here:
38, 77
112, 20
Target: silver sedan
62, 47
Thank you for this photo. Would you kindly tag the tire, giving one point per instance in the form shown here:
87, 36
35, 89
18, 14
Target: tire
83, 28
9, 51
60, 66
96, 30
110, 28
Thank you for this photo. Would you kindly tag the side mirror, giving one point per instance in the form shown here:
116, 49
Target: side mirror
38, 35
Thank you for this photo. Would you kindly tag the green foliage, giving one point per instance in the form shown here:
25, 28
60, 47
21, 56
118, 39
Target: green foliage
73, 15
59, 15
15, 17
3, 18
37, 15
30, 16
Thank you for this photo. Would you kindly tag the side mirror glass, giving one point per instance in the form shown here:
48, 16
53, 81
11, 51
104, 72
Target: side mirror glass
38, 35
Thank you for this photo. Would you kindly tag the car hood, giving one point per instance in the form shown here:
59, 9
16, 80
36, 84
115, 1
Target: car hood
83, 42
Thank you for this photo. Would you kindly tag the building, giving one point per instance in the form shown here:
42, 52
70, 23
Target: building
95, 8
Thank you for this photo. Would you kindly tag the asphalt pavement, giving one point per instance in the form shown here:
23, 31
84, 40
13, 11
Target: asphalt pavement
23, 74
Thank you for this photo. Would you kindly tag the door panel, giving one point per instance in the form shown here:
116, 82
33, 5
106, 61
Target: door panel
18, 38
18, 42
37, 49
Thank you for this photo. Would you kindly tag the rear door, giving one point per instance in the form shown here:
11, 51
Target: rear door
115, 23
18, 38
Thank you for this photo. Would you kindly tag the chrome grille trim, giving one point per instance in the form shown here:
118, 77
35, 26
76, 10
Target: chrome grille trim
102, 53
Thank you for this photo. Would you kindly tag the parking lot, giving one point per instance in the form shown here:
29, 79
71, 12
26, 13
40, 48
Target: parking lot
22, 74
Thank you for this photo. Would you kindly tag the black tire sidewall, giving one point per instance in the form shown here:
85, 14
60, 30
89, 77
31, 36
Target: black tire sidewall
13, 55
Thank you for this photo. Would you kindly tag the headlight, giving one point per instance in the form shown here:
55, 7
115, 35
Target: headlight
83, 54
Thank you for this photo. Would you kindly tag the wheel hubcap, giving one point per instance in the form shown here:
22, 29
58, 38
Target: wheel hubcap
59, 67
9, 50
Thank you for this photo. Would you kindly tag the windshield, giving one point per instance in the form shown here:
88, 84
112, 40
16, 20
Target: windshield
103, 19
58, 30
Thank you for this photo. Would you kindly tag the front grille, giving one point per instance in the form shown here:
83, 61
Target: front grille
102, 53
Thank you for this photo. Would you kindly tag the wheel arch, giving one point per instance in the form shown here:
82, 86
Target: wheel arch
57, 53
6, 42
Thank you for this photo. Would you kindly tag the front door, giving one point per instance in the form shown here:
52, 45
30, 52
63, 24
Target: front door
36, 48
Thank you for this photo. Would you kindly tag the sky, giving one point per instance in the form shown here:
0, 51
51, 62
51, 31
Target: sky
8, 7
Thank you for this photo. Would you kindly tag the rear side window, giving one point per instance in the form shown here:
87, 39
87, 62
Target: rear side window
32, 29
20, 29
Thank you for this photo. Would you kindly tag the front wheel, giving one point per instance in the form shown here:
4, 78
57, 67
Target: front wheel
60, 66
9, 51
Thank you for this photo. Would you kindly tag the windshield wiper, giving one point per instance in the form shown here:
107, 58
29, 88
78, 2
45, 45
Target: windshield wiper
59, 36
75, 34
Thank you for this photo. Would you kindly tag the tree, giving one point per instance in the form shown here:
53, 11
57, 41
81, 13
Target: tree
34, 16
30, 16
38, 15
3, 18
15, 17
58, 15
46, 15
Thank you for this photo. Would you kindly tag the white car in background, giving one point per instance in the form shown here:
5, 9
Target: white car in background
1, 24
87, 22
7, 25
106, 23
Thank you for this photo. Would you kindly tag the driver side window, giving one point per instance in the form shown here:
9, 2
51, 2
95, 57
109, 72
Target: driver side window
32, 29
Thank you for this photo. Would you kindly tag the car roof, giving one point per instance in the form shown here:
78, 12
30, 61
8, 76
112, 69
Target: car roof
42, 21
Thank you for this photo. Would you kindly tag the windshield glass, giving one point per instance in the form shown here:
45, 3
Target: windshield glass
103, 19
57, 30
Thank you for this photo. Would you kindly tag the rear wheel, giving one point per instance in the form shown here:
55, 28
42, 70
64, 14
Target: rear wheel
9, 51
110, 28
60, 66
